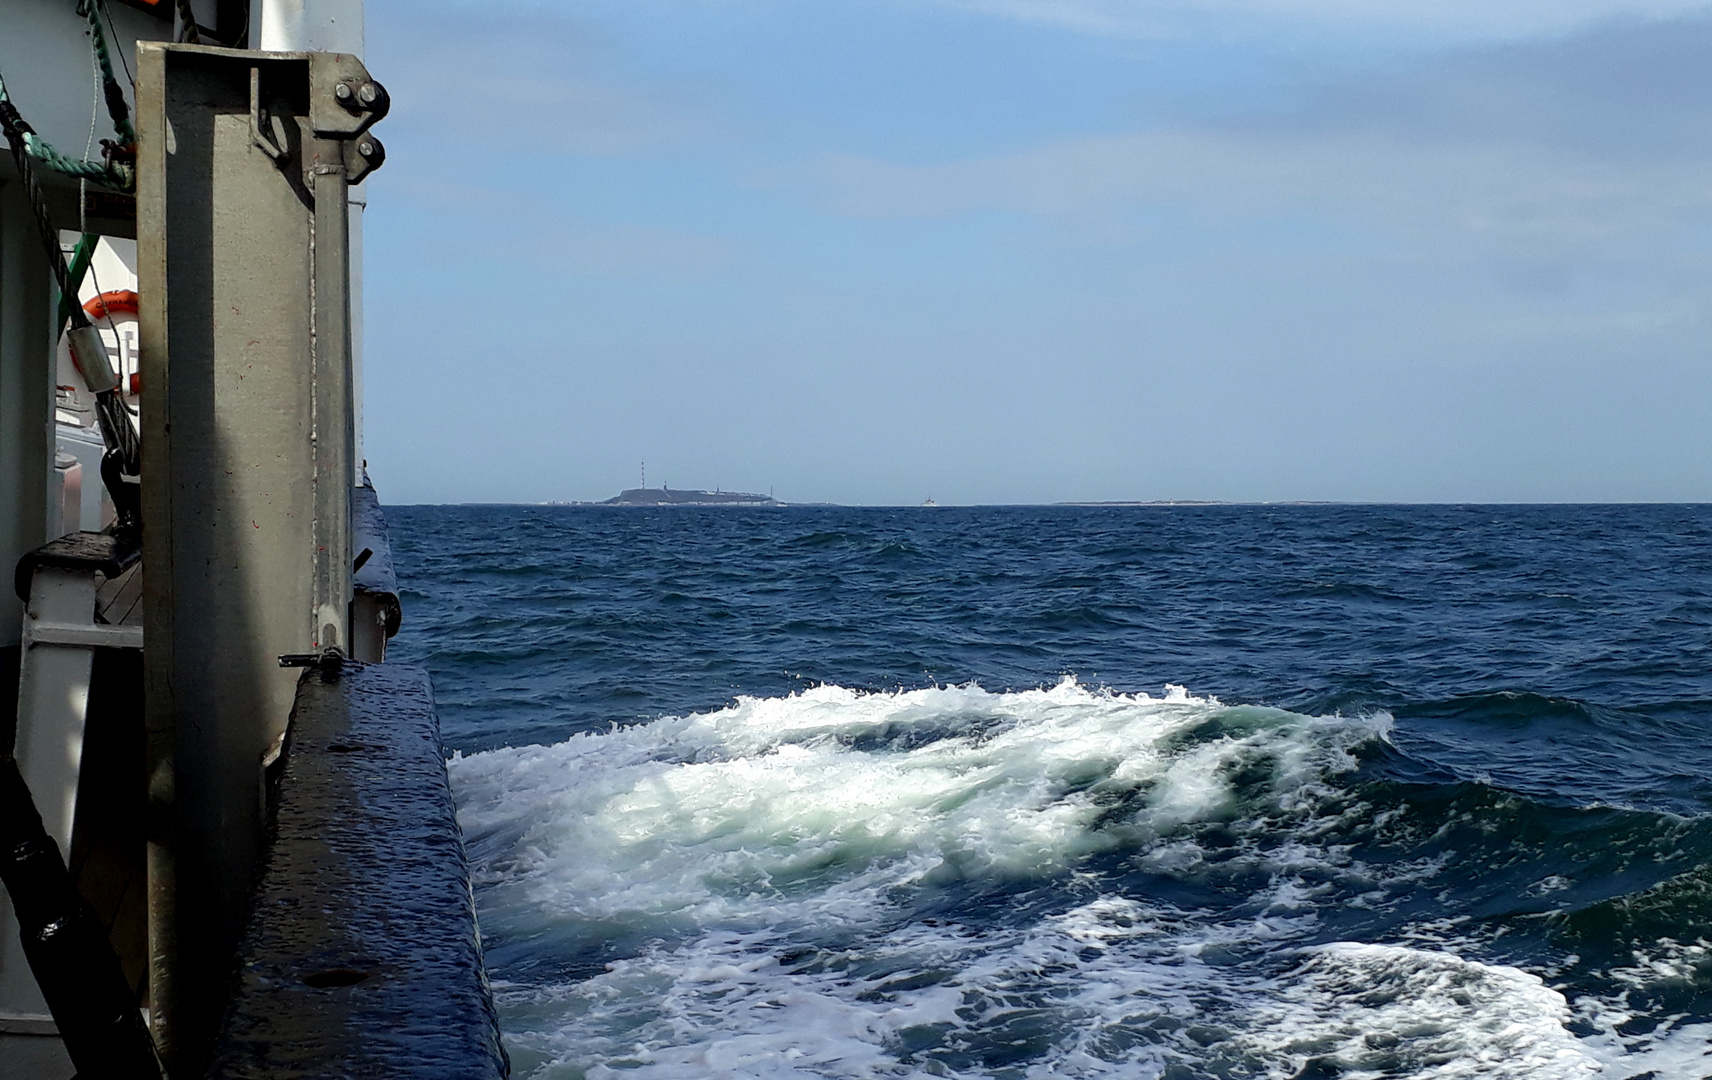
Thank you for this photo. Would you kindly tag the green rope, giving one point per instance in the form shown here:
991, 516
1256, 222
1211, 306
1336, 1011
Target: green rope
116, 106
120, 175
74, 277
123, 447
17, 133
101, 172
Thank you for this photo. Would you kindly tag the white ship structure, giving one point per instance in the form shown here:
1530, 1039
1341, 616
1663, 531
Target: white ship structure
227, 841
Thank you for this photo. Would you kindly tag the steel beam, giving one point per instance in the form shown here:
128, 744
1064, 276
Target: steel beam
28, 1042
244, 160
26, 394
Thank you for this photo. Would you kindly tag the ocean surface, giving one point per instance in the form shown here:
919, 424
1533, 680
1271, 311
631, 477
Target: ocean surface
1178, 792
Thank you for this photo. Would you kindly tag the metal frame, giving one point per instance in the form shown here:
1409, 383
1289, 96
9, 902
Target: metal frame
244, 163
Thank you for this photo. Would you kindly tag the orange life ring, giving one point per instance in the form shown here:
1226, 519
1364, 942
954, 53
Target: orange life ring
116, 302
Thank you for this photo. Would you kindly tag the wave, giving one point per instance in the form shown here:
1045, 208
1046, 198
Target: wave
1649, 756
956, 882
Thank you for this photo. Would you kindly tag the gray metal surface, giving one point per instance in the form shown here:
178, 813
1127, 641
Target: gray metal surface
362, 957
368, 531
26, 392
44, 51
375, 610
45, 55
223, 268
343, 103
53, 701
28, 1046
246, 473
332, 433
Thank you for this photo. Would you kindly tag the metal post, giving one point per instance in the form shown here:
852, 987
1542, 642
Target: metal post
26, 393
53, 695
334, 26
243, 166
333, 432
60, 635
26, 463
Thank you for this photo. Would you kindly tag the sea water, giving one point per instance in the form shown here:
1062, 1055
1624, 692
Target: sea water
1291, 792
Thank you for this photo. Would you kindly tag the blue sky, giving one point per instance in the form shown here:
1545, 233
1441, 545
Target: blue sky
870, 251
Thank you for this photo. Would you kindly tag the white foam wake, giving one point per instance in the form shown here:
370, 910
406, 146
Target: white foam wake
847, 884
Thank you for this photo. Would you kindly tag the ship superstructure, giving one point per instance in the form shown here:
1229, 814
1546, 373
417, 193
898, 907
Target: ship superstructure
225, 831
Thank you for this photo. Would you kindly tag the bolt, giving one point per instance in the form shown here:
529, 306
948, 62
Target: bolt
365, 148
368, 93
342, 91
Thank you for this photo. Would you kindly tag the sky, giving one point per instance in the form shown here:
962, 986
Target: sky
1026, 251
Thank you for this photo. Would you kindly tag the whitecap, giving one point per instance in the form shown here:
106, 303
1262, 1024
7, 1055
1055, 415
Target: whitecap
783, 888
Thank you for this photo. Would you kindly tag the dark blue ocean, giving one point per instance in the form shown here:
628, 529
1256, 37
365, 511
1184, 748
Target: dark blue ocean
1179, 792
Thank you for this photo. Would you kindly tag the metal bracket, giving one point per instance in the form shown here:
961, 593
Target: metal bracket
343, 100
331, 661
363, 155
266, 130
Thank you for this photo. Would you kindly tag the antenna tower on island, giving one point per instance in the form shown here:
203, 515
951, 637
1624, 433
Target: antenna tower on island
644, 474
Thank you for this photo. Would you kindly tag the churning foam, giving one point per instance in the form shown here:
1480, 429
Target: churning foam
839, 883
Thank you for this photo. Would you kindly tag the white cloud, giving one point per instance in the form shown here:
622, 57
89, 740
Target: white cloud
1528, 193
1461, 20
1600, 143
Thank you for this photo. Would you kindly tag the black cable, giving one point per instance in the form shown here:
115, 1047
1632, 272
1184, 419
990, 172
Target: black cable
122, 63
122, 462
111, 405
188, 31
15, 128
67, 947
117, 107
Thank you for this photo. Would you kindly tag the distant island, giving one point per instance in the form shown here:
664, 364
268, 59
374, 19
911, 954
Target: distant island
666, 497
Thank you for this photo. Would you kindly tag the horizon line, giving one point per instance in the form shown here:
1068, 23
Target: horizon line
1073, 503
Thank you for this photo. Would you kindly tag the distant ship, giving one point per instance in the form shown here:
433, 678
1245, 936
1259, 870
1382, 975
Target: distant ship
662, 496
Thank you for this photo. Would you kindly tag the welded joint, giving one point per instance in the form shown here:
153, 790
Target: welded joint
355, 159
